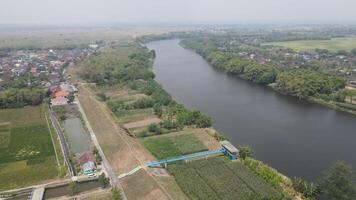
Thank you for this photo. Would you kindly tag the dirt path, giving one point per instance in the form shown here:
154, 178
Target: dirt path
122, 151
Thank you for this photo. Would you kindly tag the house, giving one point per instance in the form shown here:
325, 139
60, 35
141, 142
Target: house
87, 162
58, 101
353, 84
61, 94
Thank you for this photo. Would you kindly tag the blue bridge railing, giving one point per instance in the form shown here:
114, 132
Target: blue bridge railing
184, 157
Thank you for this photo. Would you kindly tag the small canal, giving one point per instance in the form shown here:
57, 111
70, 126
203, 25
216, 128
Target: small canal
296, 137
64, 190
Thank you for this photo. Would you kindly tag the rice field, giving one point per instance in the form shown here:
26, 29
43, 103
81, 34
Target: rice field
334, 44
27, 155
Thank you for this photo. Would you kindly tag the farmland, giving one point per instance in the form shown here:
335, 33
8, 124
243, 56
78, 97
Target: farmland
219, 178
214, 178
163, 147
27, 154
334, 44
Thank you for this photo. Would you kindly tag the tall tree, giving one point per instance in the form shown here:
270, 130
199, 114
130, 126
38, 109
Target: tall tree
339, 182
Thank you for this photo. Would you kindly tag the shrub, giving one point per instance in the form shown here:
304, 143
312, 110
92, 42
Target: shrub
154, 128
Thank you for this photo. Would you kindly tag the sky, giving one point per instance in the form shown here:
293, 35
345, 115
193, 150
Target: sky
176, 11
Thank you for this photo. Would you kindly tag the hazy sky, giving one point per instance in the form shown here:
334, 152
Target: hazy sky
195, 11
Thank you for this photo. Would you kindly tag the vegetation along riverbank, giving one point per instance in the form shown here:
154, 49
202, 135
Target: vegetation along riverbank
307, 83
125, 83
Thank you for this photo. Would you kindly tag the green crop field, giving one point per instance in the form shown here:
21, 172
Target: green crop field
27, 155
219, 178
164, 147
335, 44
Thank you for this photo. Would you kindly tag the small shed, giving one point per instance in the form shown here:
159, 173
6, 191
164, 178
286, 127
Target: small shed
230, 150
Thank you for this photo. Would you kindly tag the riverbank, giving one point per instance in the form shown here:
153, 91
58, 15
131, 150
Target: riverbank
137, 108
311, 85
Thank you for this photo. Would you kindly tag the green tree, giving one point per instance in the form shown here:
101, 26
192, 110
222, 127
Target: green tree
71, 97
339, 182
154, 128
244, 152
73, 188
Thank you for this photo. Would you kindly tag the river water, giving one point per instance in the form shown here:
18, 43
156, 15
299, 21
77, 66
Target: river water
296, 137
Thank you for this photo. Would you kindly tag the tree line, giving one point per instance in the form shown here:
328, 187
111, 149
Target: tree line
301, 83
16, 97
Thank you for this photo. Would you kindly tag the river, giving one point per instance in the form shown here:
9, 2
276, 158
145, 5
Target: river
298, 138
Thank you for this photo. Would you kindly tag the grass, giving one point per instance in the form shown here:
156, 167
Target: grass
335, 44
126, 116
219, 178
4, 135
164, 147
27, 156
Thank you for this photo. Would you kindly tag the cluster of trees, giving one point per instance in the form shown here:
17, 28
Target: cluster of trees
176, 117
338, 182
304, 83
113, 66
253, 71
14, 97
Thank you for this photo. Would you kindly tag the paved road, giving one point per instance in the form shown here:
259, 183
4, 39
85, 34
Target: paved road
106, 166
64, 144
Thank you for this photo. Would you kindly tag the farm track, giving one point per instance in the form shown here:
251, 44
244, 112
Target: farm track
123, 152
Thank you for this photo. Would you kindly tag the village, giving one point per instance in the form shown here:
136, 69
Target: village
39, 67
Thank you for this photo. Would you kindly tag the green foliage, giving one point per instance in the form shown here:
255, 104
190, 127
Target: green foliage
164, 147
218, 178
170, 124
187, 118
102, 96
339, 182
244, 152
267, 173
15, 98
307, 189
154, 128
71, 97
157, 108
219, 137
304, 83
219, 59
73, 188
116, 194
201, 120
30, 142
237, 65
346, 106
263, 74
353, 51
103, 180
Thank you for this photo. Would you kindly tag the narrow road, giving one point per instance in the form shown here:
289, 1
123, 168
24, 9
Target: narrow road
106, 166
63, 142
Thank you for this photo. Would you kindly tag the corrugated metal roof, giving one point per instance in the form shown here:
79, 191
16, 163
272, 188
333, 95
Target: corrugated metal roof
227, 145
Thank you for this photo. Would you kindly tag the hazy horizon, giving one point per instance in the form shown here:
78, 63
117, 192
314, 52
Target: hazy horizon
66, 12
